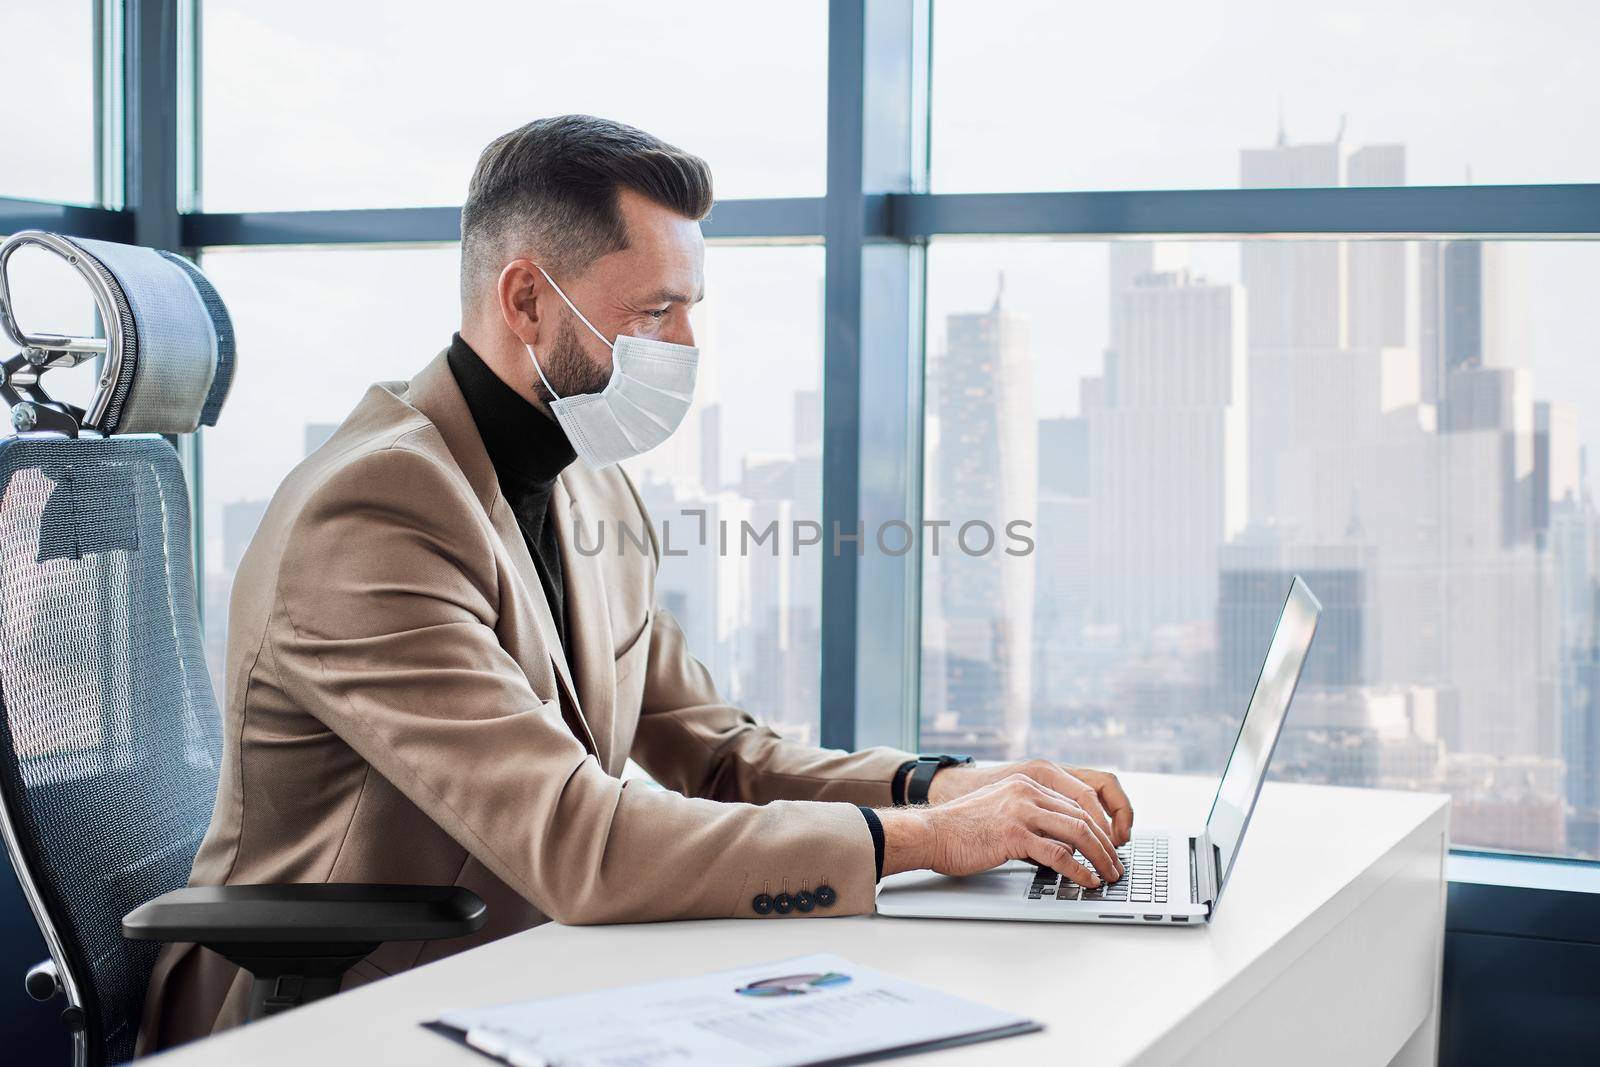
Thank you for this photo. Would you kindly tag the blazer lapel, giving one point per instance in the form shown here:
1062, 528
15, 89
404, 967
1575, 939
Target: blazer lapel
505, 524
434, 392
588, 614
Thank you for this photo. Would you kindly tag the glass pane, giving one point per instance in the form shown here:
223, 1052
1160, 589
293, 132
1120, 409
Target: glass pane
1183, 427
316, 327
47, 127
750, 456
361, 112
1174, 95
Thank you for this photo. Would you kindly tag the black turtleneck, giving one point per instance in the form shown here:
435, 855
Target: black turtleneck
528, 450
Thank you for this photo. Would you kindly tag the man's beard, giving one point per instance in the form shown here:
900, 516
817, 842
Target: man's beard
569, 368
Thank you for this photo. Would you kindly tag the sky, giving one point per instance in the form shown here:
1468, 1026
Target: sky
1039, 94
47, 125
311, 105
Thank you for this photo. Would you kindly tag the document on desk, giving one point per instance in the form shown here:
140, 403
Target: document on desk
813, 1010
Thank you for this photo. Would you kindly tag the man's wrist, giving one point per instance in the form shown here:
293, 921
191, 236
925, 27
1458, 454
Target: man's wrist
907, 840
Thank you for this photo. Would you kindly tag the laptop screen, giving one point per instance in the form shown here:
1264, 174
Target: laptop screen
1247, 766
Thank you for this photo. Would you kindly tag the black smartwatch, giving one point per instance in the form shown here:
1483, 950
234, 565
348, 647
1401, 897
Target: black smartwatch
922, 772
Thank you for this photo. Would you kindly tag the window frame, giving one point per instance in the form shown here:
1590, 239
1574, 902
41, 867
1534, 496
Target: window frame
875, 220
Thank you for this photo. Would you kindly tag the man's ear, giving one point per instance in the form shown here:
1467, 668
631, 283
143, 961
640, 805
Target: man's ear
523, 293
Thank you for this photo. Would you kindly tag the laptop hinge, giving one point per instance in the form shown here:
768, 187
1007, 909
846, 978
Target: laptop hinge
1203, 870
1194, 876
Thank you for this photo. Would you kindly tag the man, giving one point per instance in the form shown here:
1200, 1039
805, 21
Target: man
427, 683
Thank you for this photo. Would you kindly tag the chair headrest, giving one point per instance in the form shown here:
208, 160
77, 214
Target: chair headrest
169, 346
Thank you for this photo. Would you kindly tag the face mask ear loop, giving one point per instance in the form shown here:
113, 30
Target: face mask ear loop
575, 310
540, 371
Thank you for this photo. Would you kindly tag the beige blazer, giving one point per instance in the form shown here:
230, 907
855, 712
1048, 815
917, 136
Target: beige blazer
398, 709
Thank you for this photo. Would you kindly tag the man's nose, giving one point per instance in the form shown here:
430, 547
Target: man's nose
680, 333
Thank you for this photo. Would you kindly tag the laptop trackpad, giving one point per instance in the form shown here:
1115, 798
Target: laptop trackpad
1009, 881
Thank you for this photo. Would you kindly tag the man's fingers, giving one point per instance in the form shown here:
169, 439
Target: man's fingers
1058, 857
1067, 808
1054, 801
1115, 799
1075, 832
1068, 784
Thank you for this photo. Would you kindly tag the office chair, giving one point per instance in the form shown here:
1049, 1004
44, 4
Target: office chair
109, 734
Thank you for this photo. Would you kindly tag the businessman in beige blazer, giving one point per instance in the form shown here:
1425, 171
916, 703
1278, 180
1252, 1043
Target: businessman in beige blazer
427, 683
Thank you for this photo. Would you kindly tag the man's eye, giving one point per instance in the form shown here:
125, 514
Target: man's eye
658, 313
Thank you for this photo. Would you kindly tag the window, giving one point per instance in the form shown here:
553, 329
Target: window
1186, 426
367, 315
316, 105
733, 486
48, 51
1126, 446
1028, 94
315, 328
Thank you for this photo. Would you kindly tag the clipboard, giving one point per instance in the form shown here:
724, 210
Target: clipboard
812, 1011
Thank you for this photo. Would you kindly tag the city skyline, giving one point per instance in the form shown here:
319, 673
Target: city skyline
1363, 414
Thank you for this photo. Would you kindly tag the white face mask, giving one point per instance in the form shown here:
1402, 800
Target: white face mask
651, 388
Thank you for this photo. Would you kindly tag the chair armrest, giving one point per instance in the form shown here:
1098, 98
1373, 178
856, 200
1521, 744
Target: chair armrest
307, 914
297, 941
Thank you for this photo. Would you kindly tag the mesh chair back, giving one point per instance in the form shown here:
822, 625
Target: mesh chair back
109, 732
110, 739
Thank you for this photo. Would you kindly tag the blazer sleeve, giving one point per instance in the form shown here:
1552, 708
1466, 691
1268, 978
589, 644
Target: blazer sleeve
384, 630
691, 740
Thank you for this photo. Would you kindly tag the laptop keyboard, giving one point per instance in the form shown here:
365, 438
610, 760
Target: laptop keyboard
1144, 877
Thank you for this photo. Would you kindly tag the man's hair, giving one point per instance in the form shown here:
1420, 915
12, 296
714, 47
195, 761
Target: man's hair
551, 187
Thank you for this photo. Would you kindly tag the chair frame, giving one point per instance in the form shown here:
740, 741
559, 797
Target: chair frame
54, 976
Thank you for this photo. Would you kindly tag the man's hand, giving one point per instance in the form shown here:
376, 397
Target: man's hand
1014, 818
1097, 792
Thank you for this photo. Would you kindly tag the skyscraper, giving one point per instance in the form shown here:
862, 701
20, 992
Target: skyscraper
1167, 454
1557, 462
1501, 618
1254, 578
1581, 751
1314, 295
1297, 301
1472, 309
1378, 274
985, 472
1064, 456
711, 447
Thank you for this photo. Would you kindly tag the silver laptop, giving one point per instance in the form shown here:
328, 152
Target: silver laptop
1169, 878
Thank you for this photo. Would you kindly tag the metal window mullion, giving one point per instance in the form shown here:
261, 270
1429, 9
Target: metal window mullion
150, 72
69, 219
792, 218
1398, 212
843, 238
910, 216
871, 361
151, 42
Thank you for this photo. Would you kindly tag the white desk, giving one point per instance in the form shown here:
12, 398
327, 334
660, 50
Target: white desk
1326, 949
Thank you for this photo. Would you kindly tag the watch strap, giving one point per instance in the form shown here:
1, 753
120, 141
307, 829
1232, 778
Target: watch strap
922, 772
921, 778
897, 785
